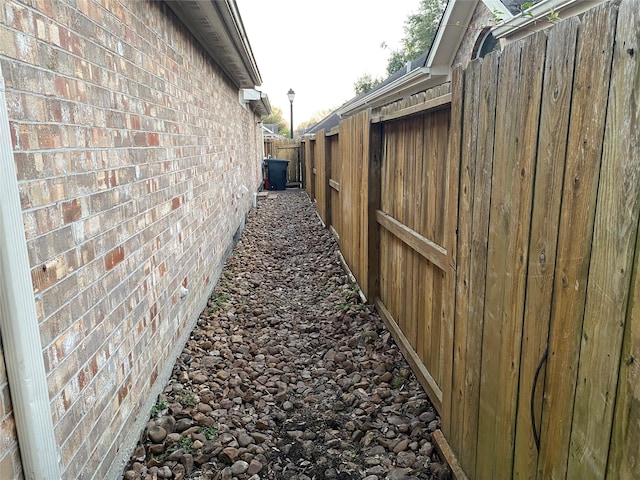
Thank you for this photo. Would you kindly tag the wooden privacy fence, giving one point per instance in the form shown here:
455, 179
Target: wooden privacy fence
494, 222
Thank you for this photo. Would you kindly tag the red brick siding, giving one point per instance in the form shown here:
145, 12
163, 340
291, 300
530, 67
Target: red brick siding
136, 164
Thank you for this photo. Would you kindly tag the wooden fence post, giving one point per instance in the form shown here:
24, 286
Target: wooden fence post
373, 204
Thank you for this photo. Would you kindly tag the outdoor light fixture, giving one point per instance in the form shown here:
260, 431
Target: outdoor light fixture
291, 94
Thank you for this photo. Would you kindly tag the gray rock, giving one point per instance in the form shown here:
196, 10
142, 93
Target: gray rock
157, 434
239, 467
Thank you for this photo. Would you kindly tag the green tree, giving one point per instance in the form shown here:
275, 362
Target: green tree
365, 84
419, 31
315, 118
277, 117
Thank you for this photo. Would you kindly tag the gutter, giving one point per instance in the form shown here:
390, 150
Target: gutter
535, 17
19, 325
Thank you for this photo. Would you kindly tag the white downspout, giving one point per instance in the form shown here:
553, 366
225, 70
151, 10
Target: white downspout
19, 325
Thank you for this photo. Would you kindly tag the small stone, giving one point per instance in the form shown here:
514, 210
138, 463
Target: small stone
131, 475
239, 467
204, 408
427, 417
167, 422
156, 448
426, 449
259, 437
165, 472
401, 446
200, 378
406, 459
254, 467
229, 455
244, 440
157, 434
187, 462
183, 424
399, 474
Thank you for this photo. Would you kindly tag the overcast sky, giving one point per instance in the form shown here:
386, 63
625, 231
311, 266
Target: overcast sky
320, 48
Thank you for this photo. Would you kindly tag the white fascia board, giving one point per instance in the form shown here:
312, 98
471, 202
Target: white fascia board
454, 23
537, 16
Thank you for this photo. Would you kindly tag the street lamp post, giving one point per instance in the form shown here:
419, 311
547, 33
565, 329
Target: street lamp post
291, 94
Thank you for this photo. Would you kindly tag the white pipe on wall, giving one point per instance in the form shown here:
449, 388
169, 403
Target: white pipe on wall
19, 325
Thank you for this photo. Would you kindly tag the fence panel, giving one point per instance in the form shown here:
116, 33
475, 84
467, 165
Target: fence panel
309, 179
335, 177
614, 242
584, 148
552, 143
622, 146
354, 157
323, 165
509, 224
476, 170
413, 255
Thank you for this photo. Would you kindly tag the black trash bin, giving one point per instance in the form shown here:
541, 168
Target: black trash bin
277, 173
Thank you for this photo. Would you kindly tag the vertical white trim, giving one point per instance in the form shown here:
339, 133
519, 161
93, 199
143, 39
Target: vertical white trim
19, 325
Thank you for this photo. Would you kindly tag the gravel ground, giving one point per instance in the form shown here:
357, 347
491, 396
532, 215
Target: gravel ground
287, 375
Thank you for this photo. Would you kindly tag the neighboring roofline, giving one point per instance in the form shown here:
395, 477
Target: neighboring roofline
415, 81
436, 69
217, 25
535, 17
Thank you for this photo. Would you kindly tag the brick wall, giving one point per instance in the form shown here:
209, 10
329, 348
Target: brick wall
136, 165
481, 19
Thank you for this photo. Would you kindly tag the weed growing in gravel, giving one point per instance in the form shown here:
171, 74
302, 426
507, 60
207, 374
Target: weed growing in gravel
187, 399
397, 382
159, 407
185, 444
217, 301
208, 432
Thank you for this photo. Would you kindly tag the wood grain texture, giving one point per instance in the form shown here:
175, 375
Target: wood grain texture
552, 143
614, 244
581, 177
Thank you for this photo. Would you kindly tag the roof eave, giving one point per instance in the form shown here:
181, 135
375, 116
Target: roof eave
455, 19
217, 25
261, 107
413, 82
